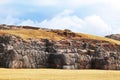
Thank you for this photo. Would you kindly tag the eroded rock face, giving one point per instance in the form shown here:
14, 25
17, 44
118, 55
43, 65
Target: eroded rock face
73, 54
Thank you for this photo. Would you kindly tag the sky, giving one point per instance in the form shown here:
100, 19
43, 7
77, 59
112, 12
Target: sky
97, 17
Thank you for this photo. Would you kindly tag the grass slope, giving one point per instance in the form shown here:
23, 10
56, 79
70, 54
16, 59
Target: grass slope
57, 74
88, 36
37, 34
30, 33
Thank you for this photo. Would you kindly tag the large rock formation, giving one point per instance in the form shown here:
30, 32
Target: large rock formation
114, 36
16, 52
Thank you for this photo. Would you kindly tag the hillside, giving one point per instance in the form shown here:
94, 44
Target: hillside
27, 32
32, 47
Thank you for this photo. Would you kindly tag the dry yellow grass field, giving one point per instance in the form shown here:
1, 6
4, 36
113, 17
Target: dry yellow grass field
30, 33
58, 74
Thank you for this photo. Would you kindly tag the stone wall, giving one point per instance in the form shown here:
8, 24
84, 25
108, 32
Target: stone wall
18, 53
65, 54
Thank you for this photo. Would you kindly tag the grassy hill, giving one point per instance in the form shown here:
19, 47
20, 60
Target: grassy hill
88, 36
30, 33
52, 35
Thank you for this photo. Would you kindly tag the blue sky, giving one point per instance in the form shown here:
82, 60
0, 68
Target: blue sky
98, 17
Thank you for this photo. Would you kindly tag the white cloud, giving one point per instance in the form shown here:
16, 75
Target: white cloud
67, 20
3, 2
9, 20
102, 22
4, 12
29, 23
63, 3
74, 3
63, 20
97, 25
44, 2
115, 4
78, 3
66, 13
90, 24
116, 31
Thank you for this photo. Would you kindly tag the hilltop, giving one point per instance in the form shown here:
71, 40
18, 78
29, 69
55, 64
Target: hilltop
27, 32
33, 47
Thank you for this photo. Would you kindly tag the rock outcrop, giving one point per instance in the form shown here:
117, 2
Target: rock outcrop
114, 36
16, 52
